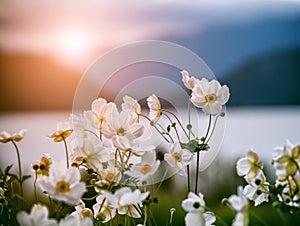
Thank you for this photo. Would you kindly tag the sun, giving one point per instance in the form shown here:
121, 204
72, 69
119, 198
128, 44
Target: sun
72, 46
73, 42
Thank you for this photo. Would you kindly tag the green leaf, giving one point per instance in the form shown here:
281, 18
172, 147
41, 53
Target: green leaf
194, 146
25, 177
7, 169
12, 177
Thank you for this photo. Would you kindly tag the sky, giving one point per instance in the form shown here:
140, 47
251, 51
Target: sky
75, 31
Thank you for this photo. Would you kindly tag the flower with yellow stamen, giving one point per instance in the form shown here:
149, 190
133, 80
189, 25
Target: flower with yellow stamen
178, 158
148, 166
249, 166
63, 131
6, 137
63, 184
286, 158
209, 95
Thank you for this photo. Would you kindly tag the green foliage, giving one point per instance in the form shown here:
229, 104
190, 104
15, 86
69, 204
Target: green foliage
10, 201
194, 146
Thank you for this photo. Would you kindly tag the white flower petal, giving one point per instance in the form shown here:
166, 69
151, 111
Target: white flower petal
209, 218
193, 219
243, 166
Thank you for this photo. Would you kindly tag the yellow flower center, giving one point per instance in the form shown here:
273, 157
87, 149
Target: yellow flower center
146, 169
110, 177
177, 157
121, 132
86, 213
211, 98
62, 186
101, 119
101, 216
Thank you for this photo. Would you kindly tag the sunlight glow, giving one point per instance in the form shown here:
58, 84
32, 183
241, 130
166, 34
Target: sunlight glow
73, 43
73, 47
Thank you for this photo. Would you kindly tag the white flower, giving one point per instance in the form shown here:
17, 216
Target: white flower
240, 219
199, 219
120, 124
154, 107
6, 137
109, 173
63, 184
132, 106
126, 201
240, 204
38, 217
71, 220
43, 166
249, 166
100, 112
290, 194
210, 96
188, 81
81, 212
195, 206
257, 190
63, 131
194, 203
106, 213
92, 152
178, 157
134, 146
146, 167
287, 158
80, 125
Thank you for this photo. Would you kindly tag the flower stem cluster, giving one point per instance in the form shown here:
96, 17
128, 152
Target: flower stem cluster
108, 167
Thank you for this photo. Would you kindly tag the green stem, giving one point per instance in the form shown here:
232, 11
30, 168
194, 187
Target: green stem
197, 172
34, 186
188, 177
198, 154
176, 131
162, 179
20, 170
100, 132
189, 137
189, 117
208, 129
177, 119
258, 218
67, 153
213, 129
172, 211
154, 125
145, 215
87, 130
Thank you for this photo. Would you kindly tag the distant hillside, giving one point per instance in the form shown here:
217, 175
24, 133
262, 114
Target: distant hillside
37, 83
268, 80
29, 82
225, 47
